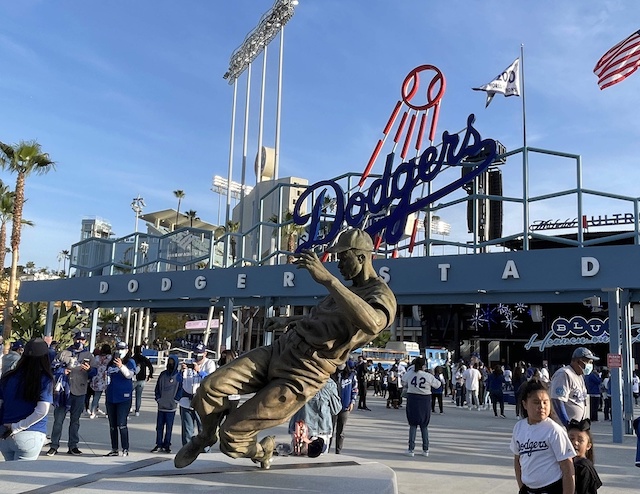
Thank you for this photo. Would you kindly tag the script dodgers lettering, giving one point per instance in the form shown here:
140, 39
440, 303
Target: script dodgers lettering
387, 203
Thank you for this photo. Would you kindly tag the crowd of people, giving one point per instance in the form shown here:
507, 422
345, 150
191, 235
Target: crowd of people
74, 381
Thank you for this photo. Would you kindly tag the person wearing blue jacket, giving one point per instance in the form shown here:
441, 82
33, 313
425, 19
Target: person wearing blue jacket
593, 382
120, 373
347, 384
165, 392
26, 393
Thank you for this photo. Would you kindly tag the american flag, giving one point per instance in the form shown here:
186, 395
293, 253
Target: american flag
619, 62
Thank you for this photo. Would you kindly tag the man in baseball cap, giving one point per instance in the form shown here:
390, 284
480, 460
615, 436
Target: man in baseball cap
76, 369
568, 390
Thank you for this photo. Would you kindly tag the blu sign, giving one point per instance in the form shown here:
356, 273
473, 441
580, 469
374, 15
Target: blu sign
388, 201
576, 331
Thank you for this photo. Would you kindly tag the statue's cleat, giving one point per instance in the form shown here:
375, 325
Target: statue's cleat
268, 444
189, 452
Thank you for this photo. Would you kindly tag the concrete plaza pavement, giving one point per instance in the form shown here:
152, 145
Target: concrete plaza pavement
469, 451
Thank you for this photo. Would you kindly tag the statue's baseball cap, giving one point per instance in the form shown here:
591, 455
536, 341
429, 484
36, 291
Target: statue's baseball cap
583, 353
352, 239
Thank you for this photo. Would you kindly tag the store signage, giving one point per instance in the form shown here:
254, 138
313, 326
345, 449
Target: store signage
577, 331
202, 324
614, 360
600, 220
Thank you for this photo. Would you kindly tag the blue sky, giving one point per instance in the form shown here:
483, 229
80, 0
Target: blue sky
128, 97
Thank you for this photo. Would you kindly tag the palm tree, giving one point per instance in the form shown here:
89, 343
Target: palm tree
63, 256
290, 231
23, 158
6, 213
30, 267
7, 200
192, 215
179, 194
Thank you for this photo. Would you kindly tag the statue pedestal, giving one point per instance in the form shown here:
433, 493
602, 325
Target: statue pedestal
329, 473
210, 473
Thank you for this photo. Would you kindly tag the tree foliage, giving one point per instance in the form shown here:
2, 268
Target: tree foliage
29, 321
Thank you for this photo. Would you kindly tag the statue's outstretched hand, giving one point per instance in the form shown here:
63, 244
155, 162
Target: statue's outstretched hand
307, 259
276, 323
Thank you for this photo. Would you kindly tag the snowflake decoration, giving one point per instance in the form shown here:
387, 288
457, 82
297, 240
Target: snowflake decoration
521, 308
503, 310
508, 313
487, 314
478, 319
511, 322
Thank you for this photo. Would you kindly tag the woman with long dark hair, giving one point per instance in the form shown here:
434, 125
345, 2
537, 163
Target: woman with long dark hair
26, 393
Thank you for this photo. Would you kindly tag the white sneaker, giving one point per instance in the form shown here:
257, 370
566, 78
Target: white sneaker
409, 453
137, 414
92, 415
425, 453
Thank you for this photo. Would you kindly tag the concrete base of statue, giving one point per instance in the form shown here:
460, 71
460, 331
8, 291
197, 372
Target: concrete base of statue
211, 472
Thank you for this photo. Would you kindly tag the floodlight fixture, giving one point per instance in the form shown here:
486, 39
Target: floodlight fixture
221, 184
268, 28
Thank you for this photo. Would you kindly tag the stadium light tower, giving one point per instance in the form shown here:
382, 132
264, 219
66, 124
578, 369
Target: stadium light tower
270, 25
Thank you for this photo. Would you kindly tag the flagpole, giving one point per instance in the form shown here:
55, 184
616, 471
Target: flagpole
525, 161
524, 113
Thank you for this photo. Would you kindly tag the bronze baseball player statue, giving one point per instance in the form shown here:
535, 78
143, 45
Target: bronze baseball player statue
288, 373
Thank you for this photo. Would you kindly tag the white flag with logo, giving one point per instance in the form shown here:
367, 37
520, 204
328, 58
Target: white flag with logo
507, 83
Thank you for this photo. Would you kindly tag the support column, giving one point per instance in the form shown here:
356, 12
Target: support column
207, 331
616, 381
228, 323
48, 327
627, 369
147, 321
94, 328
127, 326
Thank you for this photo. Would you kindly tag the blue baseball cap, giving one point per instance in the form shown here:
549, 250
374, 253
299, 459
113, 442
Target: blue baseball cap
17, 345
199, 348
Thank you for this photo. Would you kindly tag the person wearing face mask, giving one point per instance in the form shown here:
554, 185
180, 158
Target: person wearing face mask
190, 377
120, 373
165, 392
72, 371
568, 390
206, 364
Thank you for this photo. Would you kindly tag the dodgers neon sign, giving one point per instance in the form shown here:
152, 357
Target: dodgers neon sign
386, 205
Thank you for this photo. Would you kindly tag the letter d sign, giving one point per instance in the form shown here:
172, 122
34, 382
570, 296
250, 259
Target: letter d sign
590, 266
104, 287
